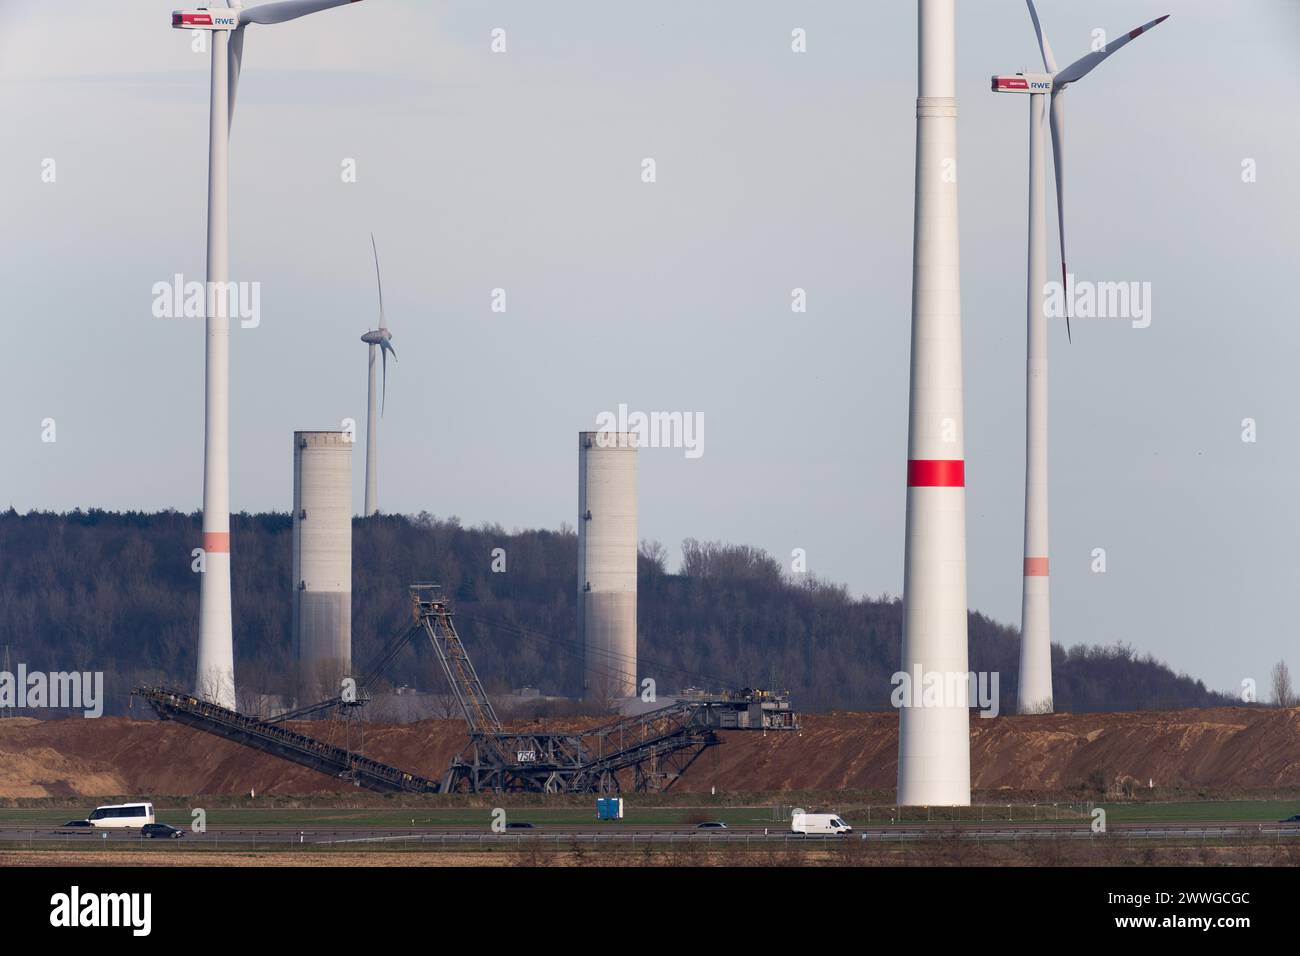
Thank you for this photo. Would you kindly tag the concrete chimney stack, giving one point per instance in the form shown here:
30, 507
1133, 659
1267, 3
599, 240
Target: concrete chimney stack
607, 551
322, 562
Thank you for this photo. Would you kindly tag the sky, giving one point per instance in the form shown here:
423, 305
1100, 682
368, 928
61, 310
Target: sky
522, 170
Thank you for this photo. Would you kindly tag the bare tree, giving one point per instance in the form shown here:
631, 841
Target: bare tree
447, 707
213, 687
654, 557
604, 694
1280, 679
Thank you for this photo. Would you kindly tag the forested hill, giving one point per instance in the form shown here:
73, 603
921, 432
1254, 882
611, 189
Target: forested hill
115, 592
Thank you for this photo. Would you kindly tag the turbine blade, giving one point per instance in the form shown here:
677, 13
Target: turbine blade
389, 345
1058, 163
1086, 64
379, 281
1044, 47
236, 60
384, 400
287, 10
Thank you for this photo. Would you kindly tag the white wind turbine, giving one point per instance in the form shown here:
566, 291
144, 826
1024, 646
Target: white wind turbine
934, 741
1034, 694
215, 680
380, 339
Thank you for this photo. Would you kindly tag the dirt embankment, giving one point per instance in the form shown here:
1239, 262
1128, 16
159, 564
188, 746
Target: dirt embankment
1225, 748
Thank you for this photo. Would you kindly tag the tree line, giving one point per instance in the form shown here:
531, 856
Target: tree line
115, 592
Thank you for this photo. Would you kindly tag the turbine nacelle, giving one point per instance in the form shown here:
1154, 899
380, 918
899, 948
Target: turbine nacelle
378, 337
1023, 83
233, 16
204, 19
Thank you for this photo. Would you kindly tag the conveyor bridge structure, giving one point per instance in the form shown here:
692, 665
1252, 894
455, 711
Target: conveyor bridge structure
648, 751
279, 741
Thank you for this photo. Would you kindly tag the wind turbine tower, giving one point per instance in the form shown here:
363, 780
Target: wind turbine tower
215, 678
1034, 692
379, 339
934, 739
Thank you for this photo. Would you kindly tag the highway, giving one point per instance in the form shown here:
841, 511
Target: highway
321, 836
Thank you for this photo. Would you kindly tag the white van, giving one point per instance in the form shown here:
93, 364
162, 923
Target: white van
122, 815
806, 823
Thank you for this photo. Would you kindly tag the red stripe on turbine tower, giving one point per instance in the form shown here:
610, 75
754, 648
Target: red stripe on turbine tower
936, 473
218, 541
1036, 567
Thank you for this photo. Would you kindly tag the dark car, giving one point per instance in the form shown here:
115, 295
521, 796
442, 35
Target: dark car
521, 825
711, 825
161, 830
78, 824
1294, 819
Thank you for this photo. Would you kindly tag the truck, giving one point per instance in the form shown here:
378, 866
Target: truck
818, 823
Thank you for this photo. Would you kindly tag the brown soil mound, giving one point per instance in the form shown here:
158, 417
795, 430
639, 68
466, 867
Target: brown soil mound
1225, 748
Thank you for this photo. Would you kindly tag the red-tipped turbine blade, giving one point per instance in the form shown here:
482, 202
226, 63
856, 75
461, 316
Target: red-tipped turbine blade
1086, 64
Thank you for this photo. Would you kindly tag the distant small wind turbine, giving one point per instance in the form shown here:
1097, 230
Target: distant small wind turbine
215, 680
381, 339
1034, 694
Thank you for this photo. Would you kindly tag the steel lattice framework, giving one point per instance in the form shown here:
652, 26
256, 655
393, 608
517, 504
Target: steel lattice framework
647, 751
656, 747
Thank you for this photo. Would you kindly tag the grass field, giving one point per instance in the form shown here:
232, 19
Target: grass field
1107, 851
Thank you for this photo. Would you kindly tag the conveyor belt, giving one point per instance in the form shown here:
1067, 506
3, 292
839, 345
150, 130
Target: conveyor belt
282, 742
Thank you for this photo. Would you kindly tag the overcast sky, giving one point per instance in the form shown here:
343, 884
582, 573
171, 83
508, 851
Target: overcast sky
775, 170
